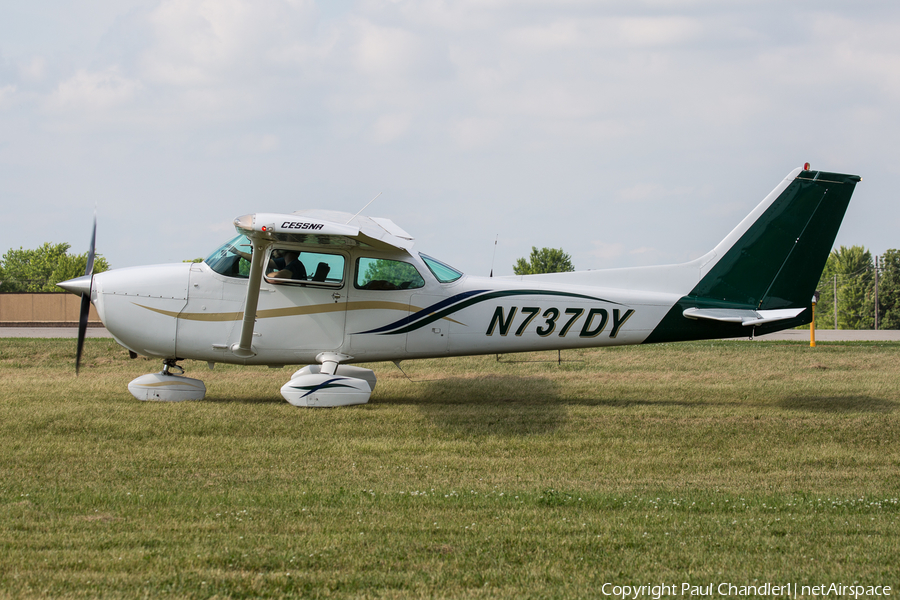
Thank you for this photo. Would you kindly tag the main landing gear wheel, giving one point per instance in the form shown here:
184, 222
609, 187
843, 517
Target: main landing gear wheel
329, 384
169, 385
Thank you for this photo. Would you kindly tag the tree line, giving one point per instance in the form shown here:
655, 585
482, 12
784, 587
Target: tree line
852, 284
40, 269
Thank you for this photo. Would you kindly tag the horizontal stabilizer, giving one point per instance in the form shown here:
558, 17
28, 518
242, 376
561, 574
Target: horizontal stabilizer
744, 317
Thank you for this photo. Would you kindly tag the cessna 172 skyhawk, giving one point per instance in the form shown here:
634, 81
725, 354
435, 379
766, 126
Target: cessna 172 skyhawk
327, 289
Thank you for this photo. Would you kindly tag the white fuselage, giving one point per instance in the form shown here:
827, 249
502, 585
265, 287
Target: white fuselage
190, 311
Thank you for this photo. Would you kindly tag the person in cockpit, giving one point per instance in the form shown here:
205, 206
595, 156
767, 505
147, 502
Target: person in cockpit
276, 261
293, 268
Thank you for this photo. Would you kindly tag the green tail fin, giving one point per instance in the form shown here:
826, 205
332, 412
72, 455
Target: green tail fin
779, 259
774, 264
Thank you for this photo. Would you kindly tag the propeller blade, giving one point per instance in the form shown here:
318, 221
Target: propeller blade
82, 328
89, 268
85, 299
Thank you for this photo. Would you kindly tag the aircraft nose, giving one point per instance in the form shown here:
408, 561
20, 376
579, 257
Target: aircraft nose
79, 285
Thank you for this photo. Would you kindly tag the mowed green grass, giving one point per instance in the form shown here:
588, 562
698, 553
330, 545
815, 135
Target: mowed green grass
704, 462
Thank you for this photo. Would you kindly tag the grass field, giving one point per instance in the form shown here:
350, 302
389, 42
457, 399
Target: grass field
697, 463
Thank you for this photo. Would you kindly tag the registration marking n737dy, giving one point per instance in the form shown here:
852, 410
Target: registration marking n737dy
593, 324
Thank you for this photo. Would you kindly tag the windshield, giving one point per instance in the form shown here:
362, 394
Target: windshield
442, 272
231, 258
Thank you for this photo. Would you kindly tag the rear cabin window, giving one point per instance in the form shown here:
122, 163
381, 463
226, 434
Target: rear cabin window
385, 274
287, 265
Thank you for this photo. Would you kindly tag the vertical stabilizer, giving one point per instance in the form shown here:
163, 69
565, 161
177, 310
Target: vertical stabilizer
771, 261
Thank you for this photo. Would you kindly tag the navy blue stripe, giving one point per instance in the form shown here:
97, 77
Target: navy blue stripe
324, 385
424, 312
458, 302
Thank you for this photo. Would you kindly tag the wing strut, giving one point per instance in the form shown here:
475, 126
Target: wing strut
244, 348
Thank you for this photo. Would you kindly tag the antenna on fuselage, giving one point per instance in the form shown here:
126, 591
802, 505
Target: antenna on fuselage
363, 208
494, 255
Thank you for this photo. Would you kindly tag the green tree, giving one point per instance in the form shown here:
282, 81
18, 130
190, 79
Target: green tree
825, 305
852, 271
856, 305
545, 260
39, 270
889, 290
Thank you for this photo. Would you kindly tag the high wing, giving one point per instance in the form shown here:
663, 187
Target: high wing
314, 227
324, 228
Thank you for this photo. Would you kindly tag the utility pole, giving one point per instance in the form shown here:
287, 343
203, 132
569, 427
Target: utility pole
812, 324
835, 301
876, 293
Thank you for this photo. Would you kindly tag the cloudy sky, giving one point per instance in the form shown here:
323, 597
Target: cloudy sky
627, 133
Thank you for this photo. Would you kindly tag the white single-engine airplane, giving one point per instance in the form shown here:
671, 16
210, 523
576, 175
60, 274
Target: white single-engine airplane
327, 289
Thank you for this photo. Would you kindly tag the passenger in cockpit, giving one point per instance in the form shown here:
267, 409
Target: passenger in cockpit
293, 268
276, 261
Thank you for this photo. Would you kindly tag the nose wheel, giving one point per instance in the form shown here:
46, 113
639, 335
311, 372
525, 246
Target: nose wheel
169, 385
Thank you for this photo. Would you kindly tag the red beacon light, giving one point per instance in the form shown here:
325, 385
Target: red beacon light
806, 166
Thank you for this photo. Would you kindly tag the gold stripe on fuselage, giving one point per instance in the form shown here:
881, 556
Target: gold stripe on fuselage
290, 311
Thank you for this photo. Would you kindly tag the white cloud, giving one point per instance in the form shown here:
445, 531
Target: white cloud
33, 70
264, 144
655, 192
7, 93
200, 42
389, 128
644, 191
658, 31
605, 251
862, 52
691, 107
387, 51
94, 91
471, 133
608, 32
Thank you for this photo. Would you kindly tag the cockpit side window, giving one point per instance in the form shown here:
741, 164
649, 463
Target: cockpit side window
232, 259
289, 265
441, 271
386, 274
